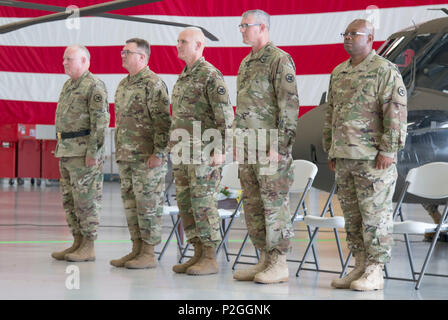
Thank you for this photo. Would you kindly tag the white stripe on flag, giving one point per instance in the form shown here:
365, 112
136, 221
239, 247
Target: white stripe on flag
46, 87
286, 30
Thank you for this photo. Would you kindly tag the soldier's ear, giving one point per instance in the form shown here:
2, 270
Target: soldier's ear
198, 45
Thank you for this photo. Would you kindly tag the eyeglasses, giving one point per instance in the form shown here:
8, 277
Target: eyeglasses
353, 34
128, 52
244, 26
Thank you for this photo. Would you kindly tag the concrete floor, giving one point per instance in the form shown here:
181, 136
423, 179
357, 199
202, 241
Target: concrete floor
32, 225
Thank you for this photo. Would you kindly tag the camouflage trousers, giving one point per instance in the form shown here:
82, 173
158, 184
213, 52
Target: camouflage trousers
196, 190
82, 189
142, 191
266, 205
365, 194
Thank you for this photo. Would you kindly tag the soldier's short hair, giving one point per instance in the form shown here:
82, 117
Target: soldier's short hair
141, 44
367, 24
198, 33
83, 49
260, 16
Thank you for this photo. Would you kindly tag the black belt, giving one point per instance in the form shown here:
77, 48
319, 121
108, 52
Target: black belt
69, 135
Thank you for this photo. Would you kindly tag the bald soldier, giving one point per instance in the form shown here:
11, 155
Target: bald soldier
200, 98
267, 102
365, 127
142, 124
82, 117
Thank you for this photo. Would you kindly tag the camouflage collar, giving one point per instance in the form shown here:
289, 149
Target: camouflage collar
261, 52
75, 83
187, 71
363, 65
136, 78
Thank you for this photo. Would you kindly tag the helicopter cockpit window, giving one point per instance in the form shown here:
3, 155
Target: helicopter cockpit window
389, 46
412, 48
434, 73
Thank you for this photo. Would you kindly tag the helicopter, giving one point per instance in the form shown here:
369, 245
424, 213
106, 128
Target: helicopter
421, 54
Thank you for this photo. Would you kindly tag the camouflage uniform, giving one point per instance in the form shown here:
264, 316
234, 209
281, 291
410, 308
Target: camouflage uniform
366, 115
142, 123
200, 94
82, 106
268, 99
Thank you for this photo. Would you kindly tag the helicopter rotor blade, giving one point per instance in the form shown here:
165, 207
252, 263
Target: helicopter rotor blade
44, 7
86, 11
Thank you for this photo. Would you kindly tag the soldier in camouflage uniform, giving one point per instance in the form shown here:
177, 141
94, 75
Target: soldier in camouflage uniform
82, 117
199, 96
142, 124
267, 99
365, 126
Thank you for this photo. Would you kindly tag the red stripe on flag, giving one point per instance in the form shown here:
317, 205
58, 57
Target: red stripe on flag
206, 8
317, 59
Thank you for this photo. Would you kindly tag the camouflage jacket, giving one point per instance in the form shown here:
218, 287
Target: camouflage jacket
267, 95
200, 94
142, 116
366, 111
82, 105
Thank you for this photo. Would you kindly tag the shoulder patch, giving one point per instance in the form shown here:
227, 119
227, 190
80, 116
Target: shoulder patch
401, 91
289, 77
221, 90
98, 98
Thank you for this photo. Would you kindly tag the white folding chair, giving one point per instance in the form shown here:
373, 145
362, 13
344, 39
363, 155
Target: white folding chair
428, 182
173, 213
304, 173
229, 179
317, 222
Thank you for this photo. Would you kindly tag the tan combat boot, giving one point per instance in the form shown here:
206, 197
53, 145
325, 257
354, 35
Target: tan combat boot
145, 259
182, 268
277, 270
249, 274
206, 264
60, 255
136, 247
85, 252
372, 279
436, 217
355, 274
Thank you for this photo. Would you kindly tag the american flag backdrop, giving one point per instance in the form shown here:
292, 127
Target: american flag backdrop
31, 72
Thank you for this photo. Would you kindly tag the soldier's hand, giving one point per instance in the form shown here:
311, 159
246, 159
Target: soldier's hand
274, 156
332, 164
154, 161
90, 162
383, 162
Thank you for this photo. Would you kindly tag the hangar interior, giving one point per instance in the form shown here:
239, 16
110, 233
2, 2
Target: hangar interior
32, 225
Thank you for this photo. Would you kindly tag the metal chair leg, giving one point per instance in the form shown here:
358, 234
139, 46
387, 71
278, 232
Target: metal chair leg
240, 251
